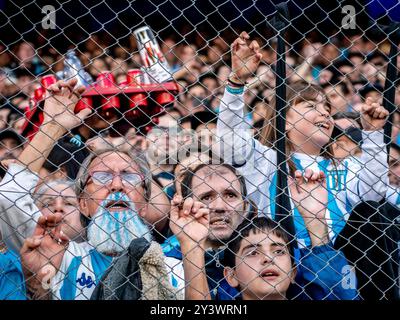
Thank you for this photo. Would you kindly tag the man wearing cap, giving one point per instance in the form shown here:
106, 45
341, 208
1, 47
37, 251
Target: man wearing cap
11, 144
347, 142
374, 91
347, 136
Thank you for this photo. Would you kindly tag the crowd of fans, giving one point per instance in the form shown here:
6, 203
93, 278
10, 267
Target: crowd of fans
188, 209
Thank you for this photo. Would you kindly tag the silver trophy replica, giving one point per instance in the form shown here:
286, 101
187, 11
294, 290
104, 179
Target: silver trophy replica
156, 66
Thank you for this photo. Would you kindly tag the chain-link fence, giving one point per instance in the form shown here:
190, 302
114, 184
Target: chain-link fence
200, 150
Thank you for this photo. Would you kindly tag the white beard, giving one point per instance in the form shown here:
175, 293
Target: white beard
112, 232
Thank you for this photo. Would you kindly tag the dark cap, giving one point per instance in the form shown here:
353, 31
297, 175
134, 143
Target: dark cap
354, 133
370, 87
377, 54
10, 133
202, 117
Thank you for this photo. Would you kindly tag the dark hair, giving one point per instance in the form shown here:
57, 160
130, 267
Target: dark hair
370, 87
336, 82
255, 225
9, 106
360, 81
257, 99
202, 117
397, 81
208, 75
194, 84
181, 79
185, 119
355, 54
377, 54
258, 126
395, 146
335, 72
13, 116
23, 72
66, 155
226, 63
171, 108
348, 115
342, 63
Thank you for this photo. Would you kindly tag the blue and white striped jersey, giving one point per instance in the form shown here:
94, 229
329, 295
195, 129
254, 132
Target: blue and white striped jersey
393, 196
12, 283
82, 268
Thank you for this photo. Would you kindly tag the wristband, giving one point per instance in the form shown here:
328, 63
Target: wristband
76, 140
236, 84
234, 90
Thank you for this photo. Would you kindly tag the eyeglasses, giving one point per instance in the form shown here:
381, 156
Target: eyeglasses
104, 178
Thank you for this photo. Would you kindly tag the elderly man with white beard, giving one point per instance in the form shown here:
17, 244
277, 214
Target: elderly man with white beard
113, 188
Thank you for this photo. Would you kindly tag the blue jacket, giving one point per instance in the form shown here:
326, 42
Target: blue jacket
12, 285
322, 274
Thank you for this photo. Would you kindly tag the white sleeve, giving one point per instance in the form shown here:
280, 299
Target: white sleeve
176, 275
371, 180
19, 214
234, 136
393, 196
74, 250
237, 145
252, 159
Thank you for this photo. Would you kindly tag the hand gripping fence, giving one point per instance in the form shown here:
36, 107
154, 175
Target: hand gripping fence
216, 149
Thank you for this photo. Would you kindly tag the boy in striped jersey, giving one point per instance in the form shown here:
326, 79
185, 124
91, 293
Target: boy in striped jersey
203, 239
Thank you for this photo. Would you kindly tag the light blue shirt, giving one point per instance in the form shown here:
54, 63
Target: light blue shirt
12, 285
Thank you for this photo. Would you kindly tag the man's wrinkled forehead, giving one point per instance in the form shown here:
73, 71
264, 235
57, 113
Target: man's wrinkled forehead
214, 177
113, 161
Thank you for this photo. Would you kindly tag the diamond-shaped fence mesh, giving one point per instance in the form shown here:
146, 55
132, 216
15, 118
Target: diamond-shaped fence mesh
200, 150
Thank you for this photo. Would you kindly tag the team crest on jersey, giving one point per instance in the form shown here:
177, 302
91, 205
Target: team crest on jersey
84, 281
336, 180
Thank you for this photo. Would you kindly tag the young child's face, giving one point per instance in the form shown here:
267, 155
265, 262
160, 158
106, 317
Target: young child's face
309, 124
263, 269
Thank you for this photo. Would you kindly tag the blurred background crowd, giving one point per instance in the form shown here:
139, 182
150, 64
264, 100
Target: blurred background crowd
350, 67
